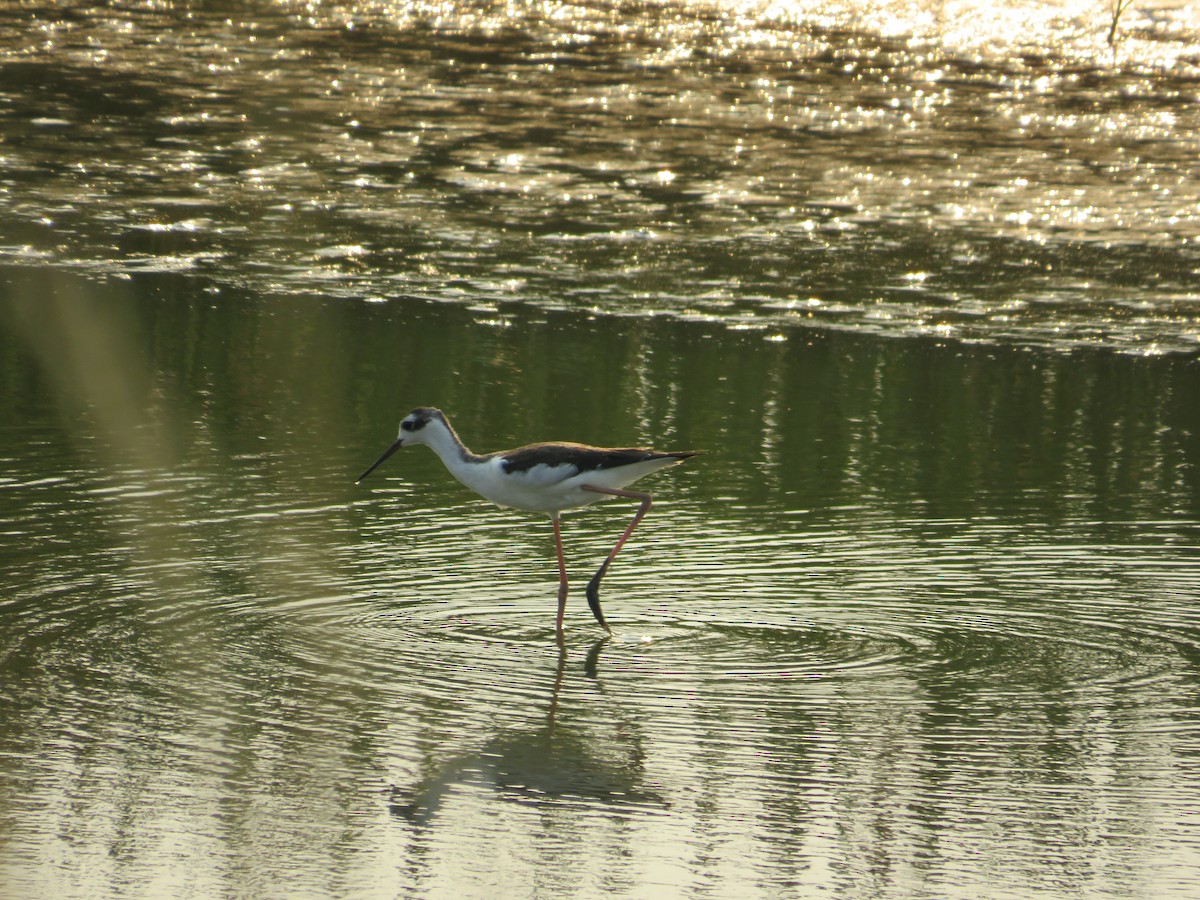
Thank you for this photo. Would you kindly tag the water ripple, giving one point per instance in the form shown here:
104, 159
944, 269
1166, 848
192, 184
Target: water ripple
264, 635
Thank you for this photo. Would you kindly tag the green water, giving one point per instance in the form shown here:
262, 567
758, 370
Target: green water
921, 622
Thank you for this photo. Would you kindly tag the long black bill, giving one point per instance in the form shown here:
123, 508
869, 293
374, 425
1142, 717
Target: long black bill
379, 462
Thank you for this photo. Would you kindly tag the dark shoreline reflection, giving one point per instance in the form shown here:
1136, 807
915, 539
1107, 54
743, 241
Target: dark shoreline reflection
825, 418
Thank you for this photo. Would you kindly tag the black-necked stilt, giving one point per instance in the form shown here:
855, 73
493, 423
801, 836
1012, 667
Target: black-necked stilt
547, 478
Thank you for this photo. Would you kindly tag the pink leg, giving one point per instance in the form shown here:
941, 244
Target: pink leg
562, 576
593, 586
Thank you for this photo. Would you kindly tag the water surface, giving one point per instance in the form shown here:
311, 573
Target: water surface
922, 621
976, 172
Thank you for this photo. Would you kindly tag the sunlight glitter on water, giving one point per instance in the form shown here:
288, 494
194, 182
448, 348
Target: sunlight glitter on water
778, 151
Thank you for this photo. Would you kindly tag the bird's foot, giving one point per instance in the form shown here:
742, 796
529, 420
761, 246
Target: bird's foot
593, 599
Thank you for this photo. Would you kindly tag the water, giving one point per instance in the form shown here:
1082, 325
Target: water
967, 172
921, 623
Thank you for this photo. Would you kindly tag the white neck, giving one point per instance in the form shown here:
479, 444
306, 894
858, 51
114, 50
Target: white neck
450, 449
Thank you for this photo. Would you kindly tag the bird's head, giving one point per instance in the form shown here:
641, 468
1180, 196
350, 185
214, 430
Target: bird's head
415, 428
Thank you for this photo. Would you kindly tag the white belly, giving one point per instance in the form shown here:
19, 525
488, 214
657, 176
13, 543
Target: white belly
548, 489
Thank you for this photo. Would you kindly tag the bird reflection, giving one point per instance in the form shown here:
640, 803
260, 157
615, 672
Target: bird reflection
592, 662
554, 758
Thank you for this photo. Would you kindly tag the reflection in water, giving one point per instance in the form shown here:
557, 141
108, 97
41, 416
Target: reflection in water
930, 601
556, 760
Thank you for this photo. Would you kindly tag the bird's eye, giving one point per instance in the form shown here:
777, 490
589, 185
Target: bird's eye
406, 425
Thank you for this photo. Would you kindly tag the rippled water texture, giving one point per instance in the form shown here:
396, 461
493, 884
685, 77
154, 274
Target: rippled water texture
984, 172
922, 622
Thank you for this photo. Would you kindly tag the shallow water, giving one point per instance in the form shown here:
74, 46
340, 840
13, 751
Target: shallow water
921, 623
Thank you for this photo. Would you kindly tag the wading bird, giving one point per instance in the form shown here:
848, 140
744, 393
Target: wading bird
547, 478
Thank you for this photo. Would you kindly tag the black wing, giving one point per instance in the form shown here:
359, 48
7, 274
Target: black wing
580, 456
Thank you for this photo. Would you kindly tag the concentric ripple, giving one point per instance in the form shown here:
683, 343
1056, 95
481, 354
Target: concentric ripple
855, 603
268, 645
